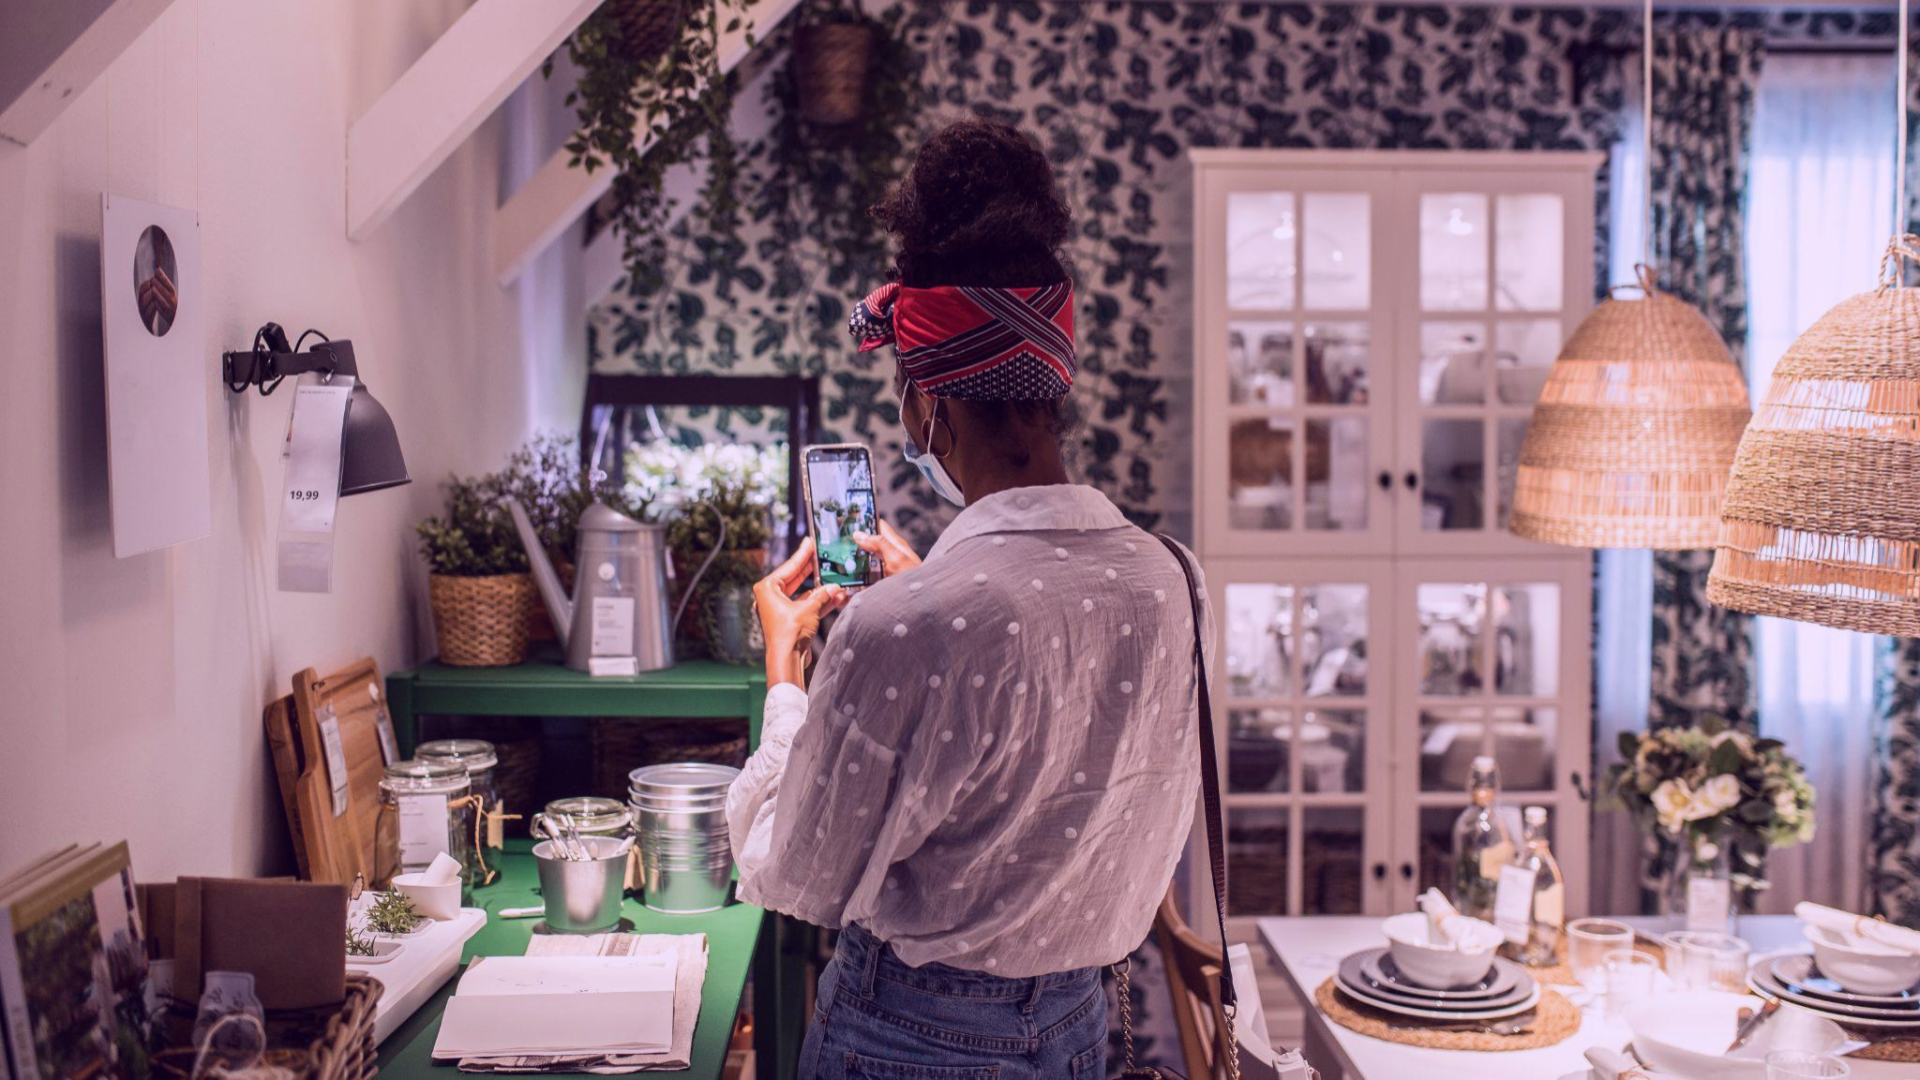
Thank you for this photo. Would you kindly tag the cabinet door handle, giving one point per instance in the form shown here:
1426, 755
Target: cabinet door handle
1406, 871
1412, 479
1379, 871
1386, 480
1580, 787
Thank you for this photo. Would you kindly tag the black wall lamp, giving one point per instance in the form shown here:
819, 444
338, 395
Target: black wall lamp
370, 449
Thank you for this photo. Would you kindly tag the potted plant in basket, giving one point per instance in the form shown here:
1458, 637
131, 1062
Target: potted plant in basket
1718, 798
479, 587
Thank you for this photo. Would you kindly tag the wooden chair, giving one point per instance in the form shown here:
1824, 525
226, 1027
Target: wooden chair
1193, 982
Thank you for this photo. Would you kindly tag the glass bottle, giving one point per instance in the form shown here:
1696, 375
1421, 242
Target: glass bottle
1547, 913
1481, 843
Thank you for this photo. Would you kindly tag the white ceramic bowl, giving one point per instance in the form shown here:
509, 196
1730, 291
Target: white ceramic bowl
1439, 968
1862, 966
1686, 1035
437, 902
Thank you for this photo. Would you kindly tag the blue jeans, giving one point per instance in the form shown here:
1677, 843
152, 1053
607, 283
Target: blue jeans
878, 1019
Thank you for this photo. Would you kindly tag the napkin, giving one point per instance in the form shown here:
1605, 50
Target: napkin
1797, 1029
1845, 922
444, 870
1614, 1065
1447, 928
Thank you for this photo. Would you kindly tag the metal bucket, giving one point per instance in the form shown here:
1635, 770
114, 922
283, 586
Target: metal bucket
583, 897
686, 857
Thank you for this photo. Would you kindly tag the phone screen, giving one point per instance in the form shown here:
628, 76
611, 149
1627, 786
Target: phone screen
840, 504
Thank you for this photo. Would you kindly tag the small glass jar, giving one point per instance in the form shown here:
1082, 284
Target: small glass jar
479, 758
426, 807
594, 816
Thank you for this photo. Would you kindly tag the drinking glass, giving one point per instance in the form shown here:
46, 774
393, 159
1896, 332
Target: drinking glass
1712, 961
1630, 978
1588, 943
1671, 949
1805, 1065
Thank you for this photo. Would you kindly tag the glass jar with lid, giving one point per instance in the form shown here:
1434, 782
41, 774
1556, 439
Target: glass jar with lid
479, 758
594, 816
426, 807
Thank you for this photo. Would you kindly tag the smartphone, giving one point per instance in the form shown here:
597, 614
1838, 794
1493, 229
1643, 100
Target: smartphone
839, 494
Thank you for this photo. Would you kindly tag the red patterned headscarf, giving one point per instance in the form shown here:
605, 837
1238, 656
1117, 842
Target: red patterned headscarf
980, 344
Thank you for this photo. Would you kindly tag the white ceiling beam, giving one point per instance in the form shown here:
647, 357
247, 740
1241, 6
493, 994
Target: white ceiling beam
555, 197
51, 52
447, 93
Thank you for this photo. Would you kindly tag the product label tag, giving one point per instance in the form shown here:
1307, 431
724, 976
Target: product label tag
423, 830
311, 491
496, 828
613, 625
389, 746
1708, 902
336, 753
1513, 903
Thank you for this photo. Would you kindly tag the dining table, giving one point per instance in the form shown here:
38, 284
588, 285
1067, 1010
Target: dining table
1310, 948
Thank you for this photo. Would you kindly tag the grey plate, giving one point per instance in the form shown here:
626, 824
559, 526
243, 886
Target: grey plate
1374, 969
1374, 995
1798, 973
1761, 979
1450, 1016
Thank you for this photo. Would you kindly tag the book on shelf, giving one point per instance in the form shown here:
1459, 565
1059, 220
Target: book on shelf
73, 968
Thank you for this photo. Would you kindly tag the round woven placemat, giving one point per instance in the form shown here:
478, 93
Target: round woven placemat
1556, 1019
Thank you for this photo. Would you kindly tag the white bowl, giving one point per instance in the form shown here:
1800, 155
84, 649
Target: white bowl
1439, 968
1686, 1035
437, 902
1864, 967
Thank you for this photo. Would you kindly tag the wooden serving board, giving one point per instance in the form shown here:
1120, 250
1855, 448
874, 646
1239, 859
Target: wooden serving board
332, 847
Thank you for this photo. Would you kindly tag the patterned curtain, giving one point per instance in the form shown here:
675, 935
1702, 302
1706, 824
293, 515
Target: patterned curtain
1704, 78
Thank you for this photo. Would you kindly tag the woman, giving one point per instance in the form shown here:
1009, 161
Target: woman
991, 777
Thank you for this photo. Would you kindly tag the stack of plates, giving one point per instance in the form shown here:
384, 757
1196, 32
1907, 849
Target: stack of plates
1370, 978
1795, 979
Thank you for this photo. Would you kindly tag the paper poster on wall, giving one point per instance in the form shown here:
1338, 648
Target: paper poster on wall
151, 299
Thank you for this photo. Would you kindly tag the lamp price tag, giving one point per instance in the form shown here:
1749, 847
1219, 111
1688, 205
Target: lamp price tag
311, 489
1513, 903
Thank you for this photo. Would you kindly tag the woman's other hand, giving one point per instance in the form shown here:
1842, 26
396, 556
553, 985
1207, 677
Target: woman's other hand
789, 622
894, 554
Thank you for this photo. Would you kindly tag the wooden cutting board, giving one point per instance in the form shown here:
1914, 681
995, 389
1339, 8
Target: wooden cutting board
323, 725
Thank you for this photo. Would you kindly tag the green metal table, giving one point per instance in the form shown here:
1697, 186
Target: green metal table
543, 686
732, 934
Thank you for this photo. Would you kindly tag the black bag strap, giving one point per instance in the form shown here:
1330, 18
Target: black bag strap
1209, 775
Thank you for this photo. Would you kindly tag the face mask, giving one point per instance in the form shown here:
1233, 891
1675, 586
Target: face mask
930, 466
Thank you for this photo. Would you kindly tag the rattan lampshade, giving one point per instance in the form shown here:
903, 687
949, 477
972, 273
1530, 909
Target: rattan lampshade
1822, 516
1636, 427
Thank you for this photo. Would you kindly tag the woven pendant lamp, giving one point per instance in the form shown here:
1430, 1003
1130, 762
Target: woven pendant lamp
1630, 443
1635, 430
1822, 517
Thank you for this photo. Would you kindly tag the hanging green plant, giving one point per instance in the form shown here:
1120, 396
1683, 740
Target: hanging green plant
650, 69
848, 100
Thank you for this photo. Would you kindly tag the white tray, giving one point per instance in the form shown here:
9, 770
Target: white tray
431, 957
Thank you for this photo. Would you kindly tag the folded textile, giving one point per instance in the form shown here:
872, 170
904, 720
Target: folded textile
1860, 926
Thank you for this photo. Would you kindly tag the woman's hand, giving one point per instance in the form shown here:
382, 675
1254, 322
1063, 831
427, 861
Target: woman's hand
788, 622
894, 554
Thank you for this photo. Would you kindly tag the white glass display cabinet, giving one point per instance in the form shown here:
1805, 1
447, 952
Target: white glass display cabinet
1372, 329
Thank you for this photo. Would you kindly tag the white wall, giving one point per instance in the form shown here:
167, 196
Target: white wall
131, 690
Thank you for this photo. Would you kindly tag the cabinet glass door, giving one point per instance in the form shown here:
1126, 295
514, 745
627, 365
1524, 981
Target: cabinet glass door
1494, 661
1493, 290
1287, 349
1299, 696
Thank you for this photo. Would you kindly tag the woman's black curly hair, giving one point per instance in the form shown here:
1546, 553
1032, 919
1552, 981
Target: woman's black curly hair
980, 206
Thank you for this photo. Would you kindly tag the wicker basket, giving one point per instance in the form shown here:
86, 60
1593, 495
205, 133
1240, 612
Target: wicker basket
342, 1048
1822, 516
648, 27
621, 746
830, 65
480, 621
1635, 430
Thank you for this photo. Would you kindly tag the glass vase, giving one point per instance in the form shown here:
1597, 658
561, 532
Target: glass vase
1700, 889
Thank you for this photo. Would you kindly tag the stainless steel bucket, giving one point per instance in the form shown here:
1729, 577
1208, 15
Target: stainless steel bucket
686, 857
583, 897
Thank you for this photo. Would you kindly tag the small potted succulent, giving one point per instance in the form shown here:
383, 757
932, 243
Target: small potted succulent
479, 587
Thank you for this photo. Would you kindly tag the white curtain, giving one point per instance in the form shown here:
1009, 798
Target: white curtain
1819, 213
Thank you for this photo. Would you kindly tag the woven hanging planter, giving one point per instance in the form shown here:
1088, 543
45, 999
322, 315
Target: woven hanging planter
1634, 432
648, 27
1822, 517
831, 62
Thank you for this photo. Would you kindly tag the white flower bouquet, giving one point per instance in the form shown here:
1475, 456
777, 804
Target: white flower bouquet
1716, 790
